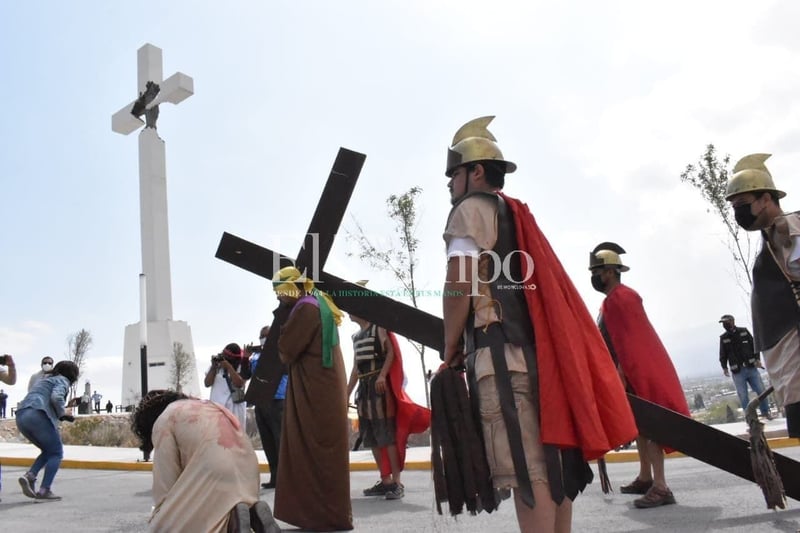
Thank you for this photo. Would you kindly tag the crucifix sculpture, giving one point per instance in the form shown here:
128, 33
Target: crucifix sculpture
153, 172
155, 351
664, 426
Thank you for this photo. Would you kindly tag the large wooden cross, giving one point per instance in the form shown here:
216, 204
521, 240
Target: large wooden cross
312, 255
664, 426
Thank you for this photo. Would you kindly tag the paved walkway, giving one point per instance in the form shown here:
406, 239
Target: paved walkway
418, 458
104, 491
709, 501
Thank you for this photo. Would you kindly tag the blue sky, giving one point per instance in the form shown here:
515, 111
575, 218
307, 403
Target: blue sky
601, 108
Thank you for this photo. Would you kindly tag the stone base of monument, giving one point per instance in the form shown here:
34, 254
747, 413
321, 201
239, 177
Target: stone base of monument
161, 339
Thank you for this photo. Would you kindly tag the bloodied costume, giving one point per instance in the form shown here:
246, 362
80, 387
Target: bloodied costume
203, 466
314, 488
553, 364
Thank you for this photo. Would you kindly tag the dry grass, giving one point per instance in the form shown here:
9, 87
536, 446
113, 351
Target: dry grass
105, 430
114, 430
91, 430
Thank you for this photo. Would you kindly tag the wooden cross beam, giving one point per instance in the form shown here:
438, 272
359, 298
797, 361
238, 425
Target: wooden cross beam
379, 309
313, 254
704, 443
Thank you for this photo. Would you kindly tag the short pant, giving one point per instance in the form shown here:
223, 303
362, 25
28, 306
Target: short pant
498, 450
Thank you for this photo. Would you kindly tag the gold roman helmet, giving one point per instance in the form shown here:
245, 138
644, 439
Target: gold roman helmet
474, 143
751, 175
607, 254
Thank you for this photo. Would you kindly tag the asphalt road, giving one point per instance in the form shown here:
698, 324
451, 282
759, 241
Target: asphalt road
708, 500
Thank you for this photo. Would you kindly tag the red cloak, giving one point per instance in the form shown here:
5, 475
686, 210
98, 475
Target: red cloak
582, 400
641, 355
409, 417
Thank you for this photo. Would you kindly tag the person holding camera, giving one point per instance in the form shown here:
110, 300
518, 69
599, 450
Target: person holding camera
9, 373
6, 376
227, 376
37, 419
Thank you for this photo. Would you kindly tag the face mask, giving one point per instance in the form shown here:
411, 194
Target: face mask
47, 367
263, 340
597, 283
744, 216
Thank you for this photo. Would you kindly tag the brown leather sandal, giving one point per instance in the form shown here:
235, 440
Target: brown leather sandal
637, 486
655, 497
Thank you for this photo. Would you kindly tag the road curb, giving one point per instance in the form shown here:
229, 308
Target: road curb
625, 456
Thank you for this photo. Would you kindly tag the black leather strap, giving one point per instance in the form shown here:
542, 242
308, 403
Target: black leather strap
508, 408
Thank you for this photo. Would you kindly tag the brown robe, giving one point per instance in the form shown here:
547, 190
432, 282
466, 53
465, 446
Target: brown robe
313, 490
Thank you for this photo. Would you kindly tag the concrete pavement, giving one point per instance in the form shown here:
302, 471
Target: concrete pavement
418, 458
709, 500
108, 490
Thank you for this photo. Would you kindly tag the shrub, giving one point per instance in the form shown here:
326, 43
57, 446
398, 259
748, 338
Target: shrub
99, 431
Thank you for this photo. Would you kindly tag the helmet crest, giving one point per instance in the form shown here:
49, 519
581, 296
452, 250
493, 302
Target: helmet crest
607, 254
751, 175
474, 143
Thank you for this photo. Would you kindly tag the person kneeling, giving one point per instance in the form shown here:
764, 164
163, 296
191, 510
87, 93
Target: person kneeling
205, 472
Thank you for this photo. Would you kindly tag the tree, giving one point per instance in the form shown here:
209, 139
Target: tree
78, 344
698, 401
400, 261
182, 366
710, 176
720, 413
729, 416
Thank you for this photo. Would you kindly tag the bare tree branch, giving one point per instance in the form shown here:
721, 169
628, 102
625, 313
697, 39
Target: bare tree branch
710, 176
182, 366
77, 345
401, 260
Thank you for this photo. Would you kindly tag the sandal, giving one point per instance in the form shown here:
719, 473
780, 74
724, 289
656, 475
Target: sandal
655, 497
637, 486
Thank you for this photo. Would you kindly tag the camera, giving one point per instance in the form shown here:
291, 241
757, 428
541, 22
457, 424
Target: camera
252, 348
3, 359
217, 358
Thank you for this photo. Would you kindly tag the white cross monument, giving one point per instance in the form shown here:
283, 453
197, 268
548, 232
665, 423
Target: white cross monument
160, 330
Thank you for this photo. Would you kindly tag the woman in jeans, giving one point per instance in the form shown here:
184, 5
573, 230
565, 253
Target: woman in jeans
37, 418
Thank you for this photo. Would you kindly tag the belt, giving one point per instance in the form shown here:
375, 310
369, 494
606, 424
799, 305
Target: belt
492, 336
489, 335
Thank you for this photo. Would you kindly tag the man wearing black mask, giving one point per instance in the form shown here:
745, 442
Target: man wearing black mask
643, 364
775, 299
736, 352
